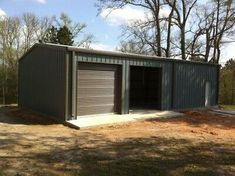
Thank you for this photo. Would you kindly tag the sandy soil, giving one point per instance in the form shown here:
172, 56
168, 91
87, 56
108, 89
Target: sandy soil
199, 143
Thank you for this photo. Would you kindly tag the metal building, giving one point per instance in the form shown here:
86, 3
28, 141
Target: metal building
67, 82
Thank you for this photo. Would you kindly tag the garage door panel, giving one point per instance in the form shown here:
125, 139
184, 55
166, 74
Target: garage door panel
96, 89
87, 74
94, 101
87, 83
103, 109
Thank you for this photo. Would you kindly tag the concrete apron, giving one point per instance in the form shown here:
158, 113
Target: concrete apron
110, 119
223, 112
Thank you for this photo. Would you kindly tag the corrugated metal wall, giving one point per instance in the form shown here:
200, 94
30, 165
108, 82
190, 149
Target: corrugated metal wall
190, 80
126, 63
42, 79
47, 79
188, 90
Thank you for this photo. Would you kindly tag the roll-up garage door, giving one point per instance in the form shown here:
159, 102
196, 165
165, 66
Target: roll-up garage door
96, 89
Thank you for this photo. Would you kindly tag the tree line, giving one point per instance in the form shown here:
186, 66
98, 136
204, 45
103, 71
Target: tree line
187, 29
227, 83
18, 34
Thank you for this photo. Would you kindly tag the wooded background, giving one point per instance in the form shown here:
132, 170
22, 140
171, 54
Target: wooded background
227, 83
183, 29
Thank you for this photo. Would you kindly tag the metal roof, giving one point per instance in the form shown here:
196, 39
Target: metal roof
112, 53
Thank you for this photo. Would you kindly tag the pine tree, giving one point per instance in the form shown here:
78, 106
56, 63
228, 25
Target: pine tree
51, 35
59, 36
64, 36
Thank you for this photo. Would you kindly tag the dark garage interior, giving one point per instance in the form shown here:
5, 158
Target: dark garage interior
145, 88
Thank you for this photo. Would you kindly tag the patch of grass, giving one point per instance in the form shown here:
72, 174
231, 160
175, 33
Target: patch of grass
228, 107
196, 170
1, 174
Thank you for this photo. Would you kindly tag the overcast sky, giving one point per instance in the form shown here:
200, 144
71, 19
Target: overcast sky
105, 29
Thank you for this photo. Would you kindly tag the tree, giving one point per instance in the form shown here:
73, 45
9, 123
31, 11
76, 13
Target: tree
151, 34
33, 29
169, 29
131, 46
18, 34
64, 36
225, 20
51, 35
227, 83
63, 31
193, 29
9, 35
182, 10
152, 31
59, 36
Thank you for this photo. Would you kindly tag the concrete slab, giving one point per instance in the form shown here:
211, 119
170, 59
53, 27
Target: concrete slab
223, 112
108, 119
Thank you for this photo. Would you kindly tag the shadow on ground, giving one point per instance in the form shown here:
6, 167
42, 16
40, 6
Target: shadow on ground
51, 151
14, 115
93, 154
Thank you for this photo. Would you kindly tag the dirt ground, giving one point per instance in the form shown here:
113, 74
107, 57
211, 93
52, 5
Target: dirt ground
199, 143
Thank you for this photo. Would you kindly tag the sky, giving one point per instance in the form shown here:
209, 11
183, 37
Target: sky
105, 28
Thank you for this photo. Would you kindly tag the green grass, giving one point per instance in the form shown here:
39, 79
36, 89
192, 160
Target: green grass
228, 107
1, 173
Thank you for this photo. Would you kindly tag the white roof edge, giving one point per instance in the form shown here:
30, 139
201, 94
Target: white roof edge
121, 54
114, 53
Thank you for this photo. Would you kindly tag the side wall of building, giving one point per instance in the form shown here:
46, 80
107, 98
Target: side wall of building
42, 81
183, 83
126, 63
190, 85
47, 80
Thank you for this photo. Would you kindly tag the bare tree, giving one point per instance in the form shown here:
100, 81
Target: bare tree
169, 30
34, 29
75, 29
133, 46
192, 30
152, 32
154, 7
182, 9
215, 22
225, 20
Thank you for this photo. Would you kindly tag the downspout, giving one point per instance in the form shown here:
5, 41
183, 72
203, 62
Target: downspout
66, 112
173, 86
217, 84
18, 85
74, 86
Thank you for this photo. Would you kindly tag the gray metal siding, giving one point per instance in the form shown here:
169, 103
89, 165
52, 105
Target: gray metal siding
190, 82
47, 79
183, 83
42, 79
126, 63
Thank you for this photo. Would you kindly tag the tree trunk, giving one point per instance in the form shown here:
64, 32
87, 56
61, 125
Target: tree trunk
207, 45
158, 27
168, 41
182, 42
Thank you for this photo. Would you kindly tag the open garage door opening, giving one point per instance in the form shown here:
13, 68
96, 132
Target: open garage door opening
145, 88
